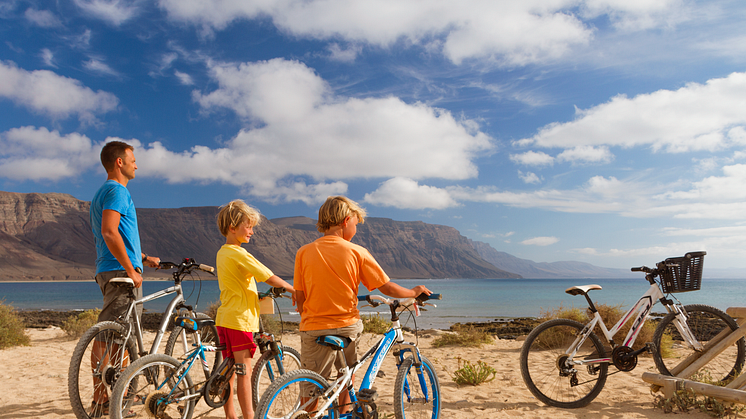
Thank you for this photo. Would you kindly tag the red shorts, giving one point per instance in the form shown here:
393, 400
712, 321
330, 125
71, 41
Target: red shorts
236, 340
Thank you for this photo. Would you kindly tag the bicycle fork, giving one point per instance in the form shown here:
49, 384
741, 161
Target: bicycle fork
679, 321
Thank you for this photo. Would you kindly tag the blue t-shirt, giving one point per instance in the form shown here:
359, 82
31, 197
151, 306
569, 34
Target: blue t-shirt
114, 196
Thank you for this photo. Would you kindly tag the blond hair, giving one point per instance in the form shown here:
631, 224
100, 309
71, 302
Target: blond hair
334, 211
236, 212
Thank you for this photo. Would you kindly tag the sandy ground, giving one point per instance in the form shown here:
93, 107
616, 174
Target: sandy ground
33, 384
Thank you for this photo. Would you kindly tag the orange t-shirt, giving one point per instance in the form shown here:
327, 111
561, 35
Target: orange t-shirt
329, 272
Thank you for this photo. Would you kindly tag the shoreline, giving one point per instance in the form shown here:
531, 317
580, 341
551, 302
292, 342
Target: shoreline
501, 328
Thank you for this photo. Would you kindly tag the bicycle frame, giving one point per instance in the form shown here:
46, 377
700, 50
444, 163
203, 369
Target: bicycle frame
393, 338
642, 309
186, 366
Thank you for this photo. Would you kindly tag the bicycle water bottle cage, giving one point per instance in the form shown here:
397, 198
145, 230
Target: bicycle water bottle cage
582, 289
334, 342
122, 281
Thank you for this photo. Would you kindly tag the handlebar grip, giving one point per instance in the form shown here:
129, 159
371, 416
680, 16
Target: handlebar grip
638, 269
206, 268
425, 297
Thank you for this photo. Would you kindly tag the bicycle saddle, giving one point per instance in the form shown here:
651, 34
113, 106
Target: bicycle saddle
582, 289
122, 281
334, 342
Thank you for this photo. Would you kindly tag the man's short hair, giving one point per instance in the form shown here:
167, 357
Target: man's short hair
111, 152
236, 212
334, 211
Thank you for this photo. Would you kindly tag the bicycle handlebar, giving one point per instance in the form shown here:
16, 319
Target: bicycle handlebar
274, 292
376, 300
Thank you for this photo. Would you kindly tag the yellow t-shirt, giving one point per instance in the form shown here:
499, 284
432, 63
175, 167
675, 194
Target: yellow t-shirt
238, 272
329, 272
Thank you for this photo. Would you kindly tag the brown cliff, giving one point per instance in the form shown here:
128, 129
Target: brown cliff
48, 237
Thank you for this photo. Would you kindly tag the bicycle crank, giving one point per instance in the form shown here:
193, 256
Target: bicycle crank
625, 359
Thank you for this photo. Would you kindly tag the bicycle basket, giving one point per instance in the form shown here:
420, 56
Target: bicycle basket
683, 273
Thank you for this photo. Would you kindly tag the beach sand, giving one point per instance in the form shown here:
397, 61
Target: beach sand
33, 383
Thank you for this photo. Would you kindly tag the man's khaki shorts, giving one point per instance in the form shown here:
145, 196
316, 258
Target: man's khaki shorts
115, 296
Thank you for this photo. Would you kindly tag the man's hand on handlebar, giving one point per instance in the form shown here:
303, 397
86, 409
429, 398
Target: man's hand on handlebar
152, 262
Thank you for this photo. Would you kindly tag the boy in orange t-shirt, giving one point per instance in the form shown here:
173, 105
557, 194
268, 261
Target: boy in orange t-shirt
327, 275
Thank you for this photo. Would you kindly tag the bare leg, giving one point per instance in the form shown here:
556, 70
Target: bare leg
242, 390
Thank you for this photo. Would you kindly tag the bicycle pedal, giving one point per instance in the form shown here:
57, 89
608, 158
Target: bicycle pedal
380, 374
650, 347
367, 395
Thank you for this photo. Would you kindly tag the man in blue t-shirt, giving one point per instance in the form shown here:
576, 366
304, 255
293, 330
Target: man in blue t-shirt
114, 224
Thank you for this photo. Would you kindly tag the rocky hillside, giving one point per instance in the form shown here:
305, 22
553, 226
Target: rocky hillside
530, 269
48, 237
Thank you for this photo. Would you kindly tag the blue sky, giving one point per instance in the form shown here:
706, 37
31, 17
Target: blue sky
605, 131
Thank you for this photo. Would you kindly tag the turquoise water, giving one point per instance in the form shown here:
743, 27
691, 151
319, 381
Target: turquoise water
463, 299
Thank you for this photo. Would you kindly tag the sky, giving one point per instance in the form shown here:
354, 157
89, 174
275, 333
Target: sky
611, 132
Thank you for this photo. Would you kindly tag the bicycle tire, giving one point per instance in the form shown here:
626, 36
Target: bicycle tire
83, 381
137, 394
282, 398
208, 336
264, 374
217, 388
411, 401
540, 359
705, 322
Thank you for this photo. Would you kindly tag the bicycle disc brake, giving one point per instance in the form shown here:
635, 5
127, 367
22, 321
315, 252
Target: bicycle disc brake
152, 407
622, 360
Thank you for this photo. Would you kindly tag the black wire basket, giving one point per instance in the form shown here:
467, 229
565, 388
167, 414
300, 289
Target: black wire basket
683, 274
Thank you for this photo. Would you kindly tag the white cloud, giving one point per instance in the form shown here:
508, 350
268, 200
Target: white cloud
533, 158
97, 66
697, 117
529, 177
513, 32
114, 12
540, 241
300, 128
347, 55
46, 92
163, 64
586, 154
408, 194
48, 57
184, 78
31, 153
42, 18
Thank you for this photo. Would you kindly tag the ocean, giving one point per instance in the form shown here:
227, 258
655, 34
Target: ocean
464, 300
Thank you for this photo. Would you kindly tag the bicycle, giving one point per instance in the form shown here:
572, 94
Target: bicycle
276, 359
158, 385
108, 347
416, 389
564, 363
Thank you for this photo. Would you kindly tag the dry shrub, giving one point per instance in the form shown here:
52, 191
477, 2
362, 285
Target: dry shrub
473, 374
375, 324
75, 326
463, 336
12, 332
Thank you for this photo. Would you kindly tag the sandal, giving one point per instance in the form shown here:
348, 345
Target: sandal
98, 410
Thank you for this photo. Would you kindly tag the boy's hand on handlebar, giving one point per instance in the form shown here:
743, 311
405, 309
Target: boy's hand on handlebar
421, 289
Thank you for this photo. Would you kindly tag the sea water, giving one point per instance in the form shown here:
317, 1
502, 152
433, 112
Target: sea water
464, 300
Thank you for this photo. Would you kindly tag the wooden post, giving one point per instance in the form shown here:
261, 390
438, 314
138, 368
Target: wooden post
722, 393
676, 371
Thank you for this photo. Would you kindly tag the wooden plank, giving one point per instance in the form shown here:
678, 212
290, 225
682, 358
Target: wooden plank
713, 352
676, 371
721, 393
736, 312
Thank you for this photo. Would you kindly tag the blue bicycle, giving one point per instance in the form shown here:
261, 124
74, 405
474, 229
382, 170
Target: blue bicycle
416, 389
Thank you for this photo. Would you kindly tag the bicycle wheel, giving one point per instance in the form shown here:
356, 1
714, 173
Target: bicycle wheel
150, 387
545, 369
181, 342
705, 322
269, 367
416, 391
98, 359
282, 398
